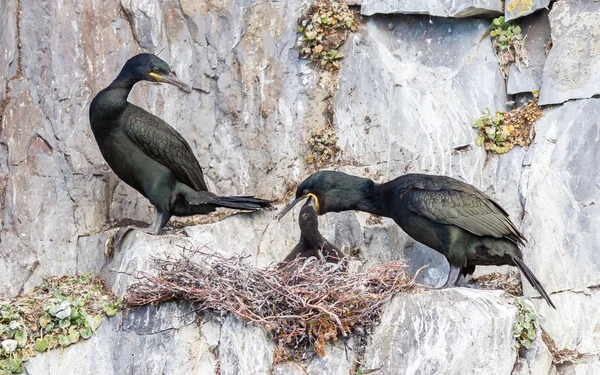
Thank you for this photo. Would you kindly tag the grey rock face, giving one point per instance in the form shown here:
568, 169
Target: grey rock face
390, 95
572, 69
149, 341
561, 204
254, 103
409, 89
519, 8
424, 333
536, 29
439, 8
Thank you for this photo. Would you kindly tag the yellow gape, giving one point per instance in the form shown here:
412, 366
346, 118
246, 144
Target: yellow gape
155, 76
316, 201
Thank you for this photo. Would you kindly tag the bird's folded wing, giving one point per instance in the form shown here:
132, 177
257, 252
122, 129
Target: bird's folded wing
471, 212
165, 145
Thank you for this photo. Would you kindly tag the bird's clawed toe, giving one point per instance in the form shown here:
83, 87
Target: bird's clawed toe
114, 241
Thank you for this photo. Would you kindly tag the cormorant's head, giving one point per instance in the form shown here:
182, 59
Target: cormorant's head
149, 67
332, 191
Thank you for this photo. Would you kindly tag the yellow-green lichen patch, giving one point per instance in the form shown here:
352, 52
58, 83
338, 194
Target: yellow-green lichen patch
501, 132
519, 7
59, 312
323, 28
509, 45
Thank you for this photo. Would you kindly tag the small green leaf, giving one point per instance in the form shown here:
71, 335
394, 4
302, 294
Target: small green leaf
85, 333
64, 340
479, 140
64, 323
94, 322
44, 321
21, 338
517, 30
41, 345
74, 334
110, 310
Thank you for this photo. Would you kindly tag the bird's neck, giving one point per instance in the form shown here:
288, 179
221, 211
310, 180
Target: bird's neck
111, 102
364, 195
373, 202
121, 87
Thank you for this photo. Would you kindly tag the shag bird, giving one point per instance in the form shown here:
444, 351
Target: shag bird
448, 215
149, 155
312, 243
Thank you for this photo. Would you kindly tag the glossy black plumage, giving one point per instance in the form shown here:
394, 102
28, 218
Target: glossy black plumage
454, 218
312, 243
148, 154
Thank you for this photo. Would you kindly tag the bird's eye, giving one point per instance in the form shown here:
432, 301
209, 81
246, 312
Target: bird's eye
156, 69
305, 192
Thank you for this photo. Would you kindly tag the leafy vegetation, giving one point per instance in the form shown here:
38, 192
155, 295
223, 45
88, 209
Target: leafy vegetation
323, 146
324, 28
59, 312
509, 44
524, 327
500, 133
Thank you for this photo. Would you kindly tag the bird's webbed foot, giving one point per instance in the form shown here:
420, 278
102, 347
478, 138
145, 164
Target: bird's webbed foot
114, 242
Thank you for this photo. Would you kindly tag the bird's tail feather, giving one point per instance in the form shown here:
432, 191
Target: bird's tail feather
533, 280
241, 202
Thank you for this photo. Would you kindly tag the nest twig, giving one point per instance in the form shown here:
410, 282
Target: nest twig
301, 306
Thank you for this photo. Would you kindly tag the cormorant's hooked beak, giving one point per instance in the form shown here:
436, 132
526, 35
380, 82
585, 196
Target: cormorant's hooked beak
172, 79
294, 202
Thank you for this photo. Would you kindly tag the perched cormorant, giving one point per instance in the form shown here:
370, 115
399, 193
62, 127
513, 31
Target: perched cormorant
312, 243
148, 154
448, 215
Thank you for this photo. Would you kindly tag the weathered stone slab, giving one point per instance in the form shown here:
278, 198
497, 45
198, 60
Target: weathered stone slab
409, 91
572, 69
438, 8
562, 212
452, 331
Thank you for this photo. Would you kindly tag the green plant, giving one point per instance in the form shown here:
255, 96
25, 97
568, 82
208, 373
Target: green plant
509, 44
324, 28
59, 312
524, 328
499, 134
493, 133
505, 33
323, 146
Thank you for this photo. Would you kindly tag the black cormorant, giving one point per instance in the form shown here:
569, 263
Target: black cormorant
448, 215
148, 154
312, 243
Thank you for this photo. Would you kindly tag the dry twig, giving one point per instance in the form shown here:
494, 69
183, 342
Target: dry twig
300, 306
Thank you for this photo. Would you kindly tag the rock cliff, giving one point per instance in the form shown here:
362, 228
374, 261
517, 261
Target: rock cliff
415, 76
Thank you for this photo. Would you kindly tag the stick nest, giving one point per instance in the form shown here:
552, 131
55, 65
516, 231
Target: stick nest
300, 306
